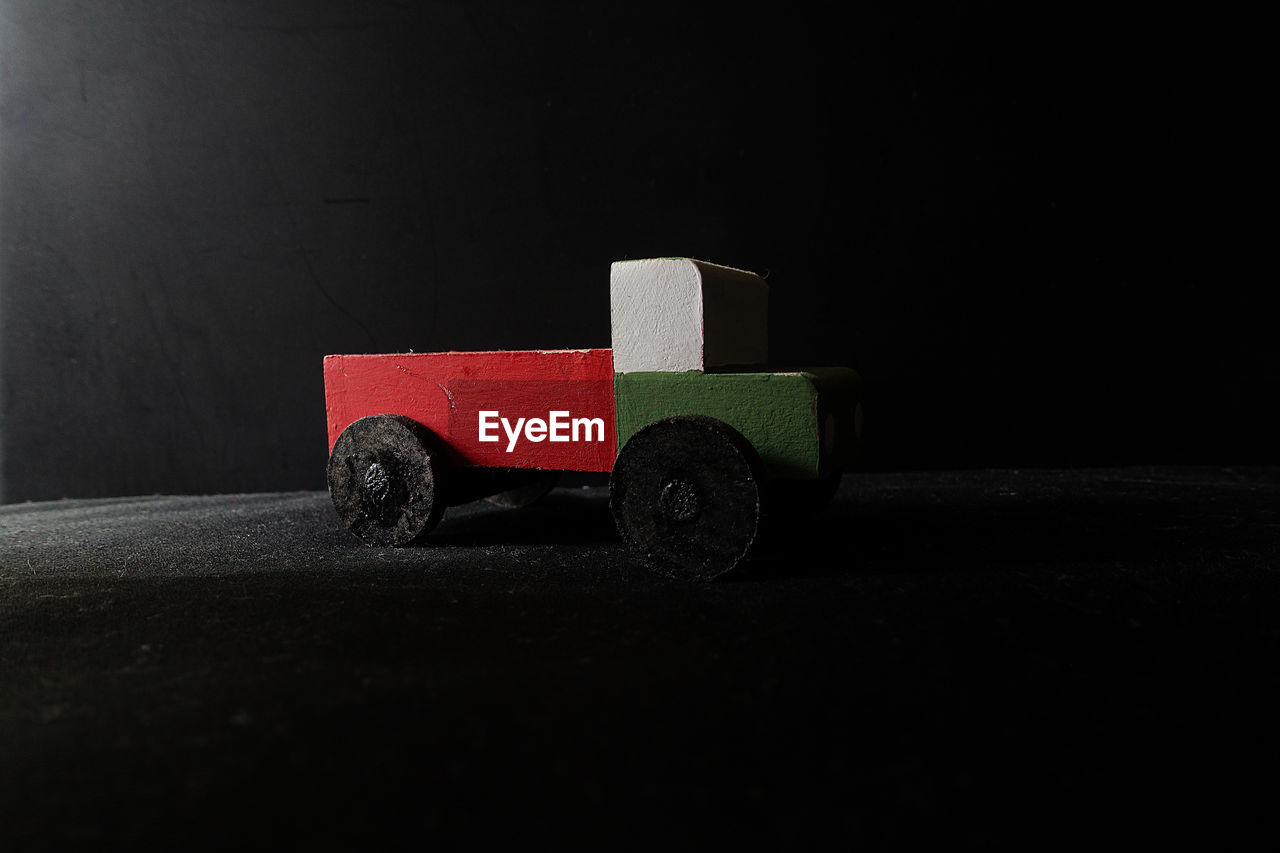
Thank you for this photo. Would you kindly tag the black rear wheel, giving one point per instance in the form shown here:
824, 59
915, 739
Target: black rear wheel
384, 478
686, 492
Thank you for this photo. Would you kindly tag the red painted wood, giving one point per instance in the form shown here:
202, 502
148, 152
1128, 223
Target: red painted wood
446, 391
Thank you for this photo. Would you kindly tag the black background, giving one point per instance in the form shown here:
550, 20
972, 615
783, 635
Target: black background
1037, 232
1040, 234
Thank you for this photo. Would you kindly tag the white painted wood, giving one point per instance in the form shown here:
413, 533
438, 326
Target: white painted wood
678, 314
655, 309
735, 317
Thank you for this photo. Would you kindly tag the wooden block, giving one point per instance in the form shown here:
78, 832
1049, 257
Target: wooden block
532, 401
678, 314
804, 425
735, 318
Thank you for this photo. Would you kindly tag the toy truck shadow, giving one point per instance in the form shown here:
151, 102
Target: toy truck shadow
582, 516
704, 447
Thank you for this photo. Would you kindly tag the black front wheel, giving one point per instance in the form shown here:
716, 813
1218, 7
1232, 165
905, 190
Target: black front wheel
686, 491
384, 478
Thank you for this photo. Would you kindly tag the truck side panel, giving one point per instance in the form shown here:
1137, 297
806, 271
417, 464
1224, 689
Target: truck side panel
447, 392
802, 424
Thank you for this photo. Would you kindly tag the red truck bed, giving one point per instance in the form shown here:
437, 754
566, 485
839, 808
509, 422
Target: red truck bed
570, 392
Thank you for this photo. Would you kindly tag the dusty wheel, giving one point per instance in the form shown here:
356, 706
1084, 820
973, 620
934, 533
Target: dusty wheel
687, 492
384, 478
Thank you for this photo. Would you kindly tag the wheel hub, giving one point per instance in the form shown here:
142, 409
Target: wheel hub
377, 483
679, 500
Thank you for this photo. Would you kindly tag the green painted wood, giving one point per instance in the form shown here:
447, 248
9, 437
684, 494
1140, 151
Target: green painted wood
840, 413
781, 414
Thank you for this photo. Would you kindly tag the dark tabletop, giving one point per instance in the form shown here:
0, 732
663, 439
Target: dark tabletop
972, 659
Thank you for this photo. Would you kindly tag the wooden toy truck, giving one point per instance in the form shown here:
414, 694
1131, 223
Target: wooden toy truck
701, 442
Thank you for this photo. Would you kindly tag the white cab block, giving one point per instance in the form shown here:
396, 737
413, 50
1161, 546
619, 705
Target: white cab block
678, 314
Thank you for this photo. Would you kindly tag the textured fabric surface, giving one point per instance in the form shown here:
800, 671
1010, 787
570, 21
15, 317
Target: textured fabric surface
973, 659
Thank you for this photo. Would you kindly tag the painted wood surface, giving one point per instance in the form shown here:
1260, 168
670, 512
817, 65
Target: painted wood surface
446, 392
802, 424
679, 314
735, 318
